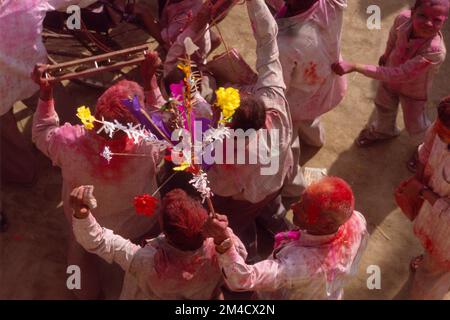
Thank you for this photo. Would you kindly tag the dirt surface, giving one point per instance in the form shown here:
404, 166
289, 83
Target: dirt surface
32, 251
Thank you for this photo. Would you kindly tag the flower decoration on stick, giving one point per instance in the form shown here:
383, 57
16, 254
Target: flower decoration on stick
84, 114
181, 112
145, 205
228, 100
182, 167
200, 182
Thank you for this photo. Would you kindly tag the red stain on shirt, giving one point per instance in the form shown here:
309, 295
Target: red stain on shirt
340, 252
91, 147
310, 74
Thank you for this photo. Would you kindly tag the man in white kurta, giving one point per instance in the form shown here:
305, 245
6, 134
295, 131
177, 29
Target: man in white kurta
77, 151
311, 268
432, 225
257, 187
159, 270
313, 262
309, 42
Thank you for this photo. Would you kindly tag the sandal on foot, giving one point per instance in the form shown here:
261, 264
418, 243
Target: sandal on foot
365, 139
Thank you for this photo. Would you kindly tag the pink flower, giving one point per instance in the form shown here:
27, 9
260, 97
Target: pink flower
177, 91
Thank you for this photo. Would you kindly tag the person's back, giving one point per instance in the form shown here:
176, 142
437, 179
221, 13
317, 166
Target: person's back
77, 151
179, 264
313, 261
117, 182
161, 271
319, 266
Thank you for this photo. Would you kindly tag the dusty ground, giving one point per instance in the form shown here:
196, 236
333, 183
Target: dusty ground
32, 263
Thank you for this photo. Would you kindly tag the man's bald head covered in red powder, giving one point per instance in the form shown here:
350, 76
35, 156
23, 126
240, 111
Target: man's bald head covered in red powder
324, 207
182, 219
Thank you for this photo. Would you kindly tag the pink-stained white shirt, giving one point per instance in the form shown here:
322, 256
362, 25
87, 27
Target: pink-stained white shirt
77, 152
21, 46
249, 181
157, 271
432, 225
310, 268
309, 44
411, 63
176, 18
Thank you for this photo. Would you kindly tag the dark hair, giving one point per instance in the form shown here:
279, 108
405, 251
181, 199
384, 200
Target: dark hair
444, 111
173, 77
251, 114
432, 2
182, 220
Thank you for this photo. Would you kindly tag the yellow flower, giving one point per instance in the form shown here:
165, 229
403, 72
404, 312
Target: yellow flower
182, 167
185, 68
228, 100
86, 117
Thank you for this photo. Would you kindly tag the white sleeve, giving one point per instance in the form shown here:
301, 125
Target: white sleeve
103, 242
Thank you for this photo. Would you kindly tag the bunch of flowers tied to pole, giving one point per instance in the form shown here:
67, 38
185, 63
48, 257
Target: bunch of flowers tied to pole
181, 106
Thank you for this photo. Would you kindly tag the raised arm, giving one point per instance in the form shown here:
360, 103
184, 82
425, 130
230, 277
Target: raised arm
95, 239
265, 30
195, 31
209, 11
48, 136
153, 96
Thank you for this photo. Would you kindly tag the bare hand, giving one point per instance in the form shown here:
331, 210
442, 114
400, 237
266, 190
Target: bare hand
150, 65
38, 76
82, 200
343, 67
216, 228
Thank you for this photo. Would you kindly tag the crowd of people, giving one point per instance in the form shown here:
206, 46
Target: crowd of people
189, 251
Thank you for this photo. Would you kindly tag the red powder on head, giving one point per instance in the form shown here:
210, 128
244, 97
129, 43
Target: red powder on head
182, 220
330, 195
110, 105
